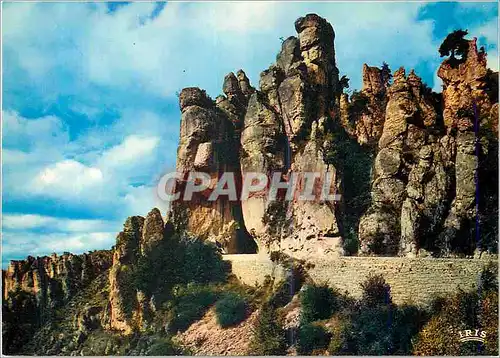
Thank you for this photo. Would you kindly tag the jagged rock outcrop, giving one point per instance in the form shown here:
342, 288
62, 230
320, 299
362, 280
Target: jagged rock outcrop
468, 110
425, 172
54, 279
122, 296
283, 127
209, 143
128, 307
409, 182
364, 114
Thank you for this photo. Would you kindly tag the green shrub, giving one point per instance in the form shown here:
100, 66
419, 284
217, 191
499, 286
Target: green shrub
231, 309
351, 242
312, 337
355, 162
189, 305
375, 291
164, 347
268, 337
373, 325
317, 302
202, 262
341, 328
176, 262
358, 104
464, 310
20, 319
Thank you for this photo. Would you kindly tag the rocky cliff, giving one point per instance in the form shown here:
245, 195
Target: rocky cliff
426, 173
36, 288
53, 280
404, 159
280, 127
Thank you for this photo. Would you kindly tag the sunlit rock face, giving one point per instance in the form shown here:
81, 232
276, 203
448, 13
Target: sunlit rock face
280, 127
425, 178
422, 144
210, 143
53, 280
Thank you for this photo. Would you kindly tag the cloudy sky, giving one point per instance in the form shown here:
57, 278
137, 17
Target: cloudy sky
90, 114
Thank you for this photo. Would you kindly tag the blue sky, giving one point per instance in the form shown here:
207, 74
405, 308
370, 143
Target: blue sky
90, 116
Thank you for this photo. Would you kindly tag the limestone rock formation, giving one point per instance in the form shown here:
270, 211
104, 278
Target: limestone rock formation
127, 307
282, 127
426, 169
468, 109
53, 279
209, 143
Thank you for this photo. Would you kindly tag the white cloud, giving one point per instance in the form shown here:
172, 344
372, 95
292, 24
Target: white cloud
117, 181
133, 148
197, 44
33, 221
32, 133
67, 177
23, 243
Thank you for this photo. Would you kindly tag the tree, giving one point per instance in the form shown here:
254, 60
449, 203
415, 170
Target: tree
455, 45
386, 72
344, 82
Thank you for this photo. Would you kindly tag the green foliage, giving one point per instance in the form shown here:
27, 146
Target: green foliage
351, 242
355, 162
317, 302
488, 182
202, 262
464, 310
178, 262
376, 291
188, 305
386, 72
291, 284
164, 347
276, 219
312, 337
344, 82
268, 337
358, 104
19, 320
231, 309
125, 278
373, 325
455, 45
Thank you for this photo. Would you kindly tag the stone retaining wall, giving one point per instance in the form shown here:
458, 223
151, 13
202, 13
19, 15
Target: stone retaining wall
412, 280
